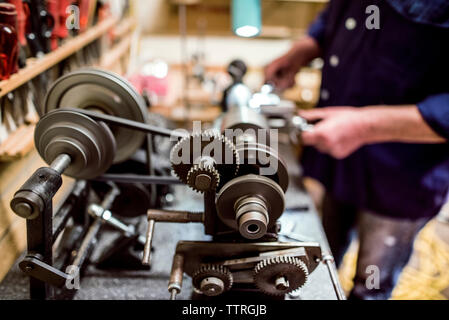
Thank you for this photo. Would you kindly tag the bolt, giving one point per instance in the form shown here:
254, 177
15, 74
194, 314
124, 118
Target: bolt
281, 283
29, 267
202, 181
23, 209
212, 286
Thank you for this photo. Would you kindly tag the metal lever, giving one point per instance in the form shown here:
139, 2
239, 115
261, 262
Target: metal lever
166, 216
33, 266
329, 261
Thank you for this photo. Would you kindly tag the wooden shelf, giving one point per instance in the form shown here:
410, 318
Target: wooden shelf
18, 143
114, 54
36, 66
126, 26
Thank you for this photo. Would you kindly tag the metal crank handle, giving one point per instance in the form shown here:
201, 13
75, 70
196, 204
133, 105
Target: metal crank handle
166, 216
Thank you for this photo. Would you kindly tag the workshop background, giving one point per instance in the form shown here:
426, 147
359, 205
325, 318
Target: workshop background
175, 52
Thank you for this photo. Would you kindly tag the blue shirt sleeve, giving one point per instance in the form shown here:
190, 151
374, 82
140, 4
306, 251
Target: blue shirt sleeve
318, 27
435, 111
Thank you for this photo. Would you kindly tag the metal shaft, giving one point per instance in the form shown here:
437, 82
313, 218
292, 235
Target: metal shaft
148, 243
61, 163
175, 216
91, 235
173, 294
110, 197
106, 216
329, 261
177, 272
88, 241
137, 178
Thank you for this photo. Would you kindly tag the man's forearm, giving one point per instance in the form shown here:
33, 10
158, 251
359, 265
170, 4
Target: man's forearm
397, 124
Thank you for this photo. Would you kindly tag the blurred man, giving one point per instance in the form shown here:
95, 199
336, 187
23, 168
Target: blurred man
380, 142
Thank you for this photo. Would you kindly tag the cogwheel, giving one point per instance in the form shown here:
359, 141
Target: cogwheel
280, 275
203, 178
212, 280
209, 153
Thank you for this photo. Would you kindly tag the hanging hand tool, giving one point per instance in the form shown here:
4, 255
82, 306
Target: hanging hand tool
39, 27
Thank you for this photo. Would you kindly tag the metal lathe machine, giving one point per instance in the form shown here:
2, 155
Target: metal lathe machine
127, 162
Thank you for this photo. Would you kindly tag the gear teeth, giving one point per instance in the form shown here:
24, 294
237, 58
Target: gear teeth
185, 171
213, 270
198, 169
271, 263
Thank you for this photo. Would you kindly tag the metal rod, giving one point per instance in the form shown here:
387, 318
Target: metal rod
329, 261
61, 217
175, 216
148, 243
150, 168
106, 216
130, 124
91, 235
173, 294
109, 198
61, 163
88, 240
177, 271
135, 178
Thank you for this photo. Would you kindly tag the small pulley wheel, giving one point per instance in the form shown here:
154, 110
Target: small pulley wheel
104, 92
90, 144
251, 198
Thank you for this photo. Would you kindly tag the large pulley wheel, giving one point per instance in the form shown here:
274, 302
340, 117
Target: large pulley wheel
90, 144
105, 92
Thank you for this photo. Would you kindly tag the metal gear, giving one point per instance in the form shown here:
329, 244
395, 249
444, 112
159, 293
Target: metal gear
212, 280
203, 178
209, 153
280, 275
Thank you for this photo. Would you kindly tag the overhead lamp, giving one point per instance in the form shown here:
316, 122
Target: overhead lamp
246, 18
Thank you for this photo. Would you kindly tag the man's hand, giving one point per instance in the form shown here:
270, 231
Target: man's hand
282, 71
339, 132
342, 130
